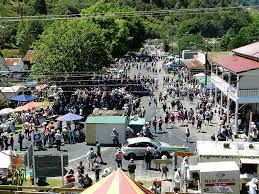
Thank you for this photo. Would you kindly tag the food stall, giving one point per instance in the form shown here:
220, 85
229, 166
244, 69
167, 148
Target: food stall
219, 177
244, 154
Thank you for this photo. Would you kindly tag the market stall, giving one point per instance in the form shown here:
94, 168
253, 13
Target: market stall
137, 124
100, 128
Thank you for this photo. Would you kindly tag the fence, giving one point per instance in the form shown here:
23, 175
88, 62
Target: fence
10, 189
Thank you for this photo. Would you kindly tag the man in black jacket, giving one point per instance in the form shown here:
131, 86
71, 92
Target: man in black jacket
132, 168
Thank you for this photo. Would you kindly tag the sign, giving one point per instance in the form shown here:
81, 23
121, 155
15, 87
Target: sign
50, 166
183, 154
38, 136
220, 181
219, 185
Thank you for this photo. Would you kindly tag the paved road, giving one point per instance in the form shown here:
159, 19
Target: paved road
174, 136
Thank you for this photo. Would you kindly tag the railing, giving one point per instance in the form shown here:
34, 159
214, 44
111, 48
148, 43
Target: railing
232, 91
249, 93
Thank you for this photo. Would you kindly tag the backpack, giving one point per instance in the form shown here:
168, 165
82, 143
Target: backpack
92, 155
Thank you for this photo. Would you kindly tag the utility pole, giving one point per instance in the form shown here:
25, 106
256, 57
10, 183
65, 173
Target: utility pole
206, 65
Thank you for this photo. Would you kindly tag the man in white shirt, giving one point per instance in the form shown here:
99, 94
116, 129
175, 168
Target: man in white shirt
252, 187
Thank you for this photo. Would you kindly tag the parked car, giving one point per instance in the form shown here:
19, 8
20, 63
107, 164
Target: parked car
136, 147
171, 66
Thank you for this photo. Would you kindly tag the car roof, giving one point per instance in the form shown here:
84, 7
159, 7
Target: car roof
139, 139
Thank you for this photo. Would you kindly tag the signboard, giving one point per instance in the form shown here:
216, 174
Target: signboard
219, 185
183, 154
38, 136
50, 166
220, 182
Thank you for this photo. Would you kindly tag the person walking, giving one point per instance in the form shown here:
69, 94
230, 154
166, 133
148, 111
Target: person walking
58, 138
199, 122
148, 158
132, 168
160, 123
11, 141
187, 133
6, 141
154, 123
252, 186
1, 142
90, 157
118, 158
115, 137
20, 140
98, 152
164, 168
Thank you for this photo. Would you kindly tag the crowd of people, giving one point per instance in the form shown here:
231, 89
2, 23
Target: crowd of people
176, 91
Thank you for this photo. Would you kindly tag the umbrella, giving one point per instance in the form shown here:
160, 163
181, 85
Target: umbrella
29, 106
69, 117
7, 111
117, 183
23, 98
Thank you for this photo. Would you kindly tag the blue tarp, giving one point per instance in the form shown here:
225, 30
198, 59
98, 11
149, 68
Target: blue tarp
23, 98
69, 117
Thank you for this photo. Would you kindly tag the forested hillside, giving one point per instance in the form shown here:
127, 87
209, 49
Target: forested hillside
186, 26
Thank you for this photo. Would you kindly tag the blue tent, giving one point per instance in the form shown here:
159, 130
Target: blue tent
69, 117
23, 98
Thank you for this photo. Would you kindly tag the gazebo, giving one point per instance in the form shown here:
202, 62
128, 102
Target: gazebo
117, 183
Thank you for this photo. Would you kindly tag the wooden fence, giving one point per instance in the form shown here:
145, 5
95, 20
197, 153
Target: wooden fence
12, 189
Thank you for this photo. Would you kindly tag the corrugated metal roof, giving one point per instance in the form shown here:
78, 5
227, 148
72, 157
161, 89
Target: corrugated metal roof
12, 61
251, 50
237, 64
106, 119
28, 56
193, 64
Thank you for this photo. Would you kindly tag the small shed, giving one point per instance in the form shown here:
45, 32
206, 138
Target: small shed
12, 90
100, 128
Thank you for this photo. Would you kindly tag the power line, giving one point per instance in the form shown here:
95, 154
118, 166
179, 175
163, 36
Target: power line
197, 11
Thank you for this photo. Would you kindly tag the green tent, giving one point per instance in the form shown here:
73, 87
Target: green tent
137, 124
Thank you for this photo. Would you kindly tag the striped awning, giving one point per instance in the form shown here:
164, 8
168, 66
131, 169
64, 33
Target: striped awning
117, 183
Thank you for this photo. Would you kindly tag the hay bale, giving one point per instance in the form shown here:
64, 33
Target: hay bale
102, 112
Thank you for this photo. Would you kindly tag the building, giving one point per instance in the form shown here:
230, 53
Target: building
100, 128
27, 60
194, 62
235, 78
2, 64
14, 64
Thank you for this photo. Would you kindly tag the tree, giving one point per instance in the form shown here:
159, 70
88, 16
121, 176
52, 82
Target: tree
40, 7
27, 33
123, 34
70, 46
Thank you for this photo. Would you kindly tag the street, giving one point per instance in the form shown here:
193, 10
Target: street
174, 136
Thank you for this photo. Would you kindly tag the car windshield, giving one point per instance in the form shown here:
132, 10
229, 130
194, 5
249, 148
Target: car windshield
157, 143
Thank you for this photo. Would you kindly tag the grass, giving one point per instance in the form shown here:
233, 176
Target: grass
53, 182
145, 183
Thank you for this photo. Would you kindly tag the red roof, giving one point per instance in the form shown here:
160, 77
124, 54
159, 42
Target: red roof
251, 50
12, 61
28, 56
193, 64
237, 64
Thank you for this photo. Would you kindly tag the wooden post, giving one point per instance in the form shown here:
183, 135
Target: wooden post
62, 169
